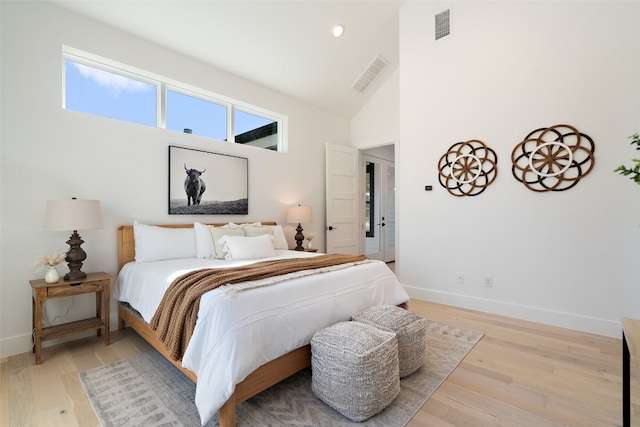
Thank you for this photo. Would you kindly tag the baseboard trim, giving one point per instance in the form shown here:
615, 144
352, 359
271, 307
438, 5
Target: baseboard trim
23, 344
15, 345
574, 321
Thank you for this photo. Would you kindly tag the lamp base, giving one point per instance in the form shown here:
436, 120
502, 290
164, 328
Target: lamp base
74, 258
75, 275
299, 238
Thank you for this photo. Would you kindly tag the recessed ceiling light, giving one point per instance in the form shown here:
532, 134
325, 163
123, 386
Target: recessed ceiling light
338, 30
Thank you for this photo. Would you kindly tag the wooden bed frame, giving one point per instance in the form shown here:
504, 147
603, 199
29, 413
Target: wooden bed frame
262, 378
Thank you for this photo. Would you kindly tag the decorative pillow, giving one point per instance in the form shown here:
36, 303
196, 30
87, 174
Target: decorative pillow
239, 247
159, 243
279, 240
204, 242
217, 233
234, 225
253, 231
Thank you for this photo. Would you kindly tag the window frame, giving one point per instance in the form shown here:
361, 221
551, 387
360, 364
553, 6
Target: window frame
163, 84
254, 112
89, 61
191, 93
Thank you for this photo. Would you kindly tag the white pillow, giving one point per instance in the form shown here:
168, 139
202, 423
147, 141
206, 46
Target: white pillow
216, 233
234, 225
252, 230
242, 247
204, 242
159, 243
279, 241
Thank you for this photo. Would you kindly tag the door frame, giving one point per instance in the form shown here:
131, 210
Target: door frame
384, 152
382, 209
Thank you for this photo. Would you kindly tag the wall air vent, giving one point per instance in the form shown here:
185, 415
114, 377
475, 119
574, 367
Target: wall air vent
443, 24
373, 70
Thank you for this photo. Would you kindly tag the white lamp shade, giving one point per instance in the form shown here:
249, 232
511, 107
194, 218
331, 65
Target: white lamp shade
299, 214
72, 214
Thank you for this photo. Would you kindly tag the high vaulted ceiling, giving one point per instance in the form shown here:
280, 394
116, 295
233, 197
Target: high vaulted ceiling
284, 45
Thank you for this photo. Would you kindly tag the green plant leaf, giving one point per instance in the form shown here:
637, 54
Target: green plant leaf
634, 170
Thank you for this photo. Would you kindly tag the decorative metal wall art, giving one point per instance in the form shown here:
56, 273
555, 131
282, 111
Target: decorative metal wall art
553, 159
468, 168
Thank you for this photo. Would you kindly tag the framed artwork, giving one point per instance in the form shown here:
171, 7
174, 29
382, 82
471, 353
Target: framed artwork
206, 183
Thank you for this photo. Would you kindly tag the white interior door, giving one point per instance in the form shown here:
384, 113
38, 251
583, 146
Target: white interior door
379, 208
343, 228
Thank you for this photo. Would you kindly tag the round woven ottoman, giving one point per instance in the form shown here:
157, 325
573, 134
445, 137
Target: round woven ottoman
354, 369
410, 328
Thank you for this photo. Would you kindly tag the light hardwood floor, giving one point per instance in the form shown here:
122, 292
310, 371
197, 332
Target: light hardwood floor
527, 374
519, 374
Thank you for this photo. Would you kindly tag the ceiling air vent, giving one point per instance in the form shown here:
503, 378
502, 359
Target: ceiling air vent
442, 24
370, 74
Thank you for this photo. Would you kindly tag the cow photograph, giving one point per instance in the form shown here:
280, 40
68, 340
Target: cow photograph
207, 183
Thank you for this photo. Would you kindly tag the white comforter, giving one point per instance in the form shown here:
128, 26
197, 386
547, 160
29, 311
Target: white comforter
238, 331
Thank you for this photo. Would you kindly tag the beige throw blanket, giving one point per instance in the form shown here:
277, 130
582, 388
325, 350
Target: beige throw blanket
175, 318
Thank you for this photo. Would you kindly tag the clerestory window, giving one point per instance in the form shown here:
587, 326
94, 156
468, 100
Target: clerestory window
194, 114
102, 87
97, 91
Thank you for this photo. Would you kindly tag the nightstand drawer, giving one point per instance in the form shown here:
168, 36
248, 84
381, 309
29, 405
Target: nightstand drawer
67, 290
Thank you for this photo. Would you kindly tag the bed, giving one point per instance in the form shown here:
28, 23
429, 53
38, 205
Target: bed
301, 303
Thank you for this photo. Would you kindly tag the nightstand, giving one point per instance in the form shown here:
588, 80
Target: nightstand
42, 291
311, 250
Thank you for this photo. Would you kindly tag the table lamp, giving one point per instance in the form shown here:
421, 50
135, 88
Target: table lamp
73, 215
299, 214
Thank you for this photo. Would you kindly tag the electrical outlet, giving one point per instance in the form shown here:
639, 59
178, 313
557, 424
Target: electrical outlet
488, 281
460, 277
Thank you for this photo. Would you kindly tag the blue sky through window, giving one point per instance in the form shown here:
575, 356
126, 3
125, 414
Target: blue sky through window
244, 122
100, 92
109, 94
204, 118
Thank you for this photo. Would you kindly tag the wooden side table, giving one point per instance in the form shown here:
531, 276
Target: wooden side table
42, 291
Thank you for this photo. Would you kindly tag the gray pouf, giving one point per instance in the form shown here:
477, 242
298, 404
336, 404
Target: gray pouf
410, 328
355, 369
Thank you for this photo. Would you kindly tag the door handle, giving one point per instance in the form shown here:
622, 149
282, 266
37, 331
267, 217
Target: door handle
383, 224
331, 227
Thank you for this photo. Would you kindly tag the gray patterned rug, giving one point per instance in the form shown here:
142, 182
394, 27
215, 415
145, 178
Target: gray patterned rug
146, 390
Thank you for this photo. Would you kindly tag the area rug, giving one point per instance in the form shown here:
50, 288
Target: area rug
147, 390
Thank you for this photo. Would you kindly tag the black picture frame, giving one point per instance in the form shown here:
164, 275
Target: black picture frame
225, 178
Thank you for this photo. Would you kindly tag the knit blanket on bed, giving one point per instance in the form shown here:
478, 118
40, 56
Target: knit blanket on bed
175, 318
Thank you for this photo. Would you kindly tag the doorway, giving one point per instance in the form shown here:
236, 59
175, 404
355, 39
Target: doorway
379, 209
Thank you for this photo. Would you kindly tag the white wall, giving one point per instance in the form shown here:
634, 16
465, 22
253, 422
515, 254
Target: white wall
567, 258
50, 153
377, 123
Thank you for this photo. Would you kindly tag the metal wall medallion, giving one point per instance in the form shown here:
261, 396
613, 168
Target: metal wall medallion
468, 168
553, 159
